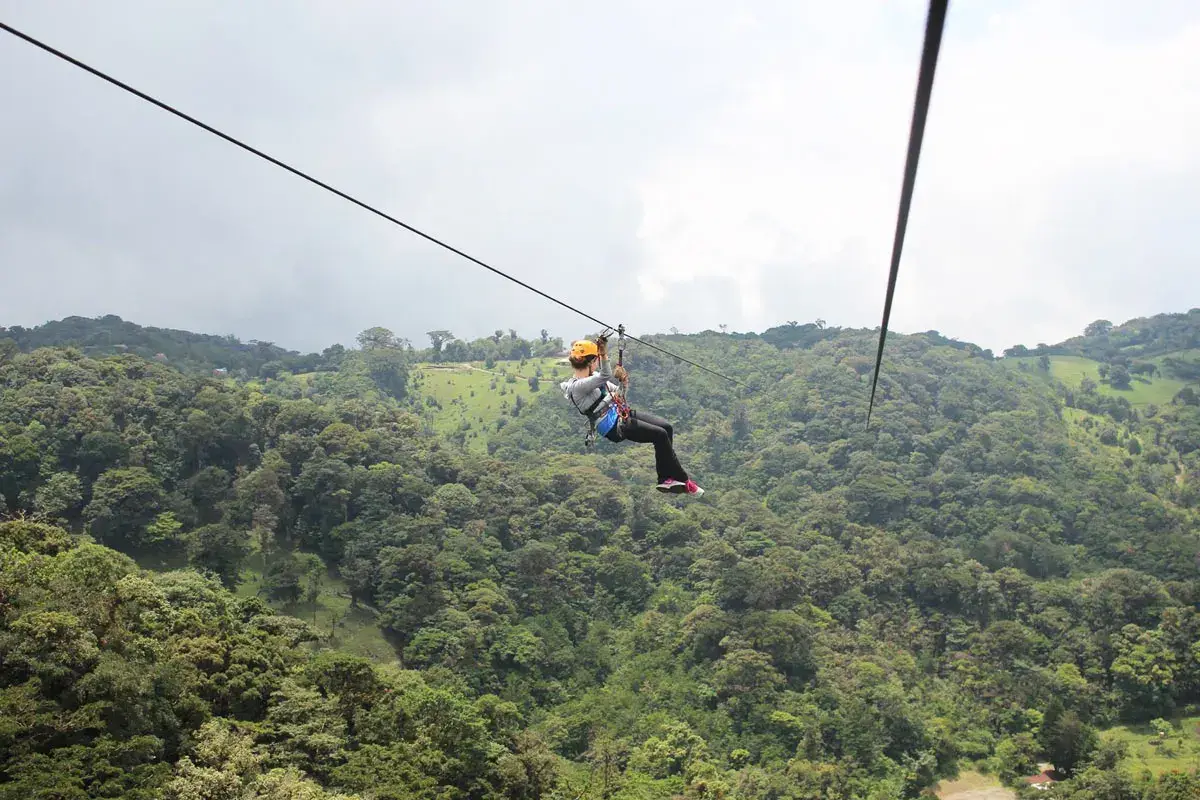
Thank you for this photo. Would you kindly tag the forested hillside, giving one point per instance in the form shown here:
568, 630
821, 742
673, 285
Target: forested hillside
204, 353
1143, 337
1150, 360
111, 335
997, 571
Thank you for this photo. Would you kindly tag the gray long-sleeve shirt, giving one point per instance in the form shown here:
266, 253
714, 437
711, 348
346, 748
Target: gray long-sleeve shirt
585, 391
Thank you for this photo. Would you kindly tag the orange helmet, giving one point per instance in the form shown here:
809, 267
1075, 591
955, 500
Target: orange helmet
584, 348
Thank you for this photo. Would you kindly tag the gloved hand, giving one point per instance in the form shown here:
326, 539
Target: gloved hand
602, 347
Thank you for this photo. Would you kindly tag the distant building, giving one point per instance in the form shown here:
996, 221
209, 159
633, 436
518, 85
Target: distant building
1042, 780
220, 372
160, 357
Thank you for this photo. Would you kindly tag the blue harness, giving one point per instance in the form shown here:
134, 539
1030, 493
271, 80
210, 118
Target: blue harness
606, 423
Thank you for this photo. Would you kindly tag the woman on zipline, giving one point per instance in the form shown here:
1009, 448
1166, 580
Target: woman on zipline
594, 396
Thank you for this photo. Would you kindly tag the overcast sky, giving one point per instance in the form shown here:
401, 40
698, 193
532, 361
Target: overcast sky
685, 164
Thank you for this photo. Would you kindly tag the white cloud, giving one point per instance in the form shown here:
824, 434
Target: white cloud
670, 164
1035, 118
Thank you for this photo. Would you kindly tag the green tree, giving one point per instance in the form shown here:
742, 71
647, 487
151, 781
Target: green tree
1016, 757
282, 580
377, 339
99, 451
388, 369
314, 574
19, 463
8, 349
1162, 728
164, 529
124, 502
623, 576
530, 770
1144, 669
1066, 739
219, 549
54, 647
456, 501
1174, 786
436, 340
60, 497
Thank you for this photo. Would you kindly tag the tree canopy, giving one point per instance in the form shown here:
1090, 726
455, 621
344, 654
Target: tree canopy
992, 573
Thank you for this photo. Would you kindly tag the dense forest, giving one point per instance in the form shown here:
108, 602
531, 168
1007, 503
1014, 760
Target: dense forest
204, 353
996, 571
111, 335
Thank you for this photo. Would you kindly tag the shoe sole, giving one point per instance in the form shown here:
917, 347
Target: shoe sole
678, 488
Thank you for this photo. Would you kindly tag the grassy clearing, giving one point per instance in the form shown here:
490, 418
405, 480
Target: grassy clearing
1180, 750
973, 786
471, 397
1071, 370
338, 625
352, 630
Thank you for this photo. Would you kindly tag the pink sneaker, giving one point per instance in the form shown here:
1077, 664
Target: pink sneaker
693, 489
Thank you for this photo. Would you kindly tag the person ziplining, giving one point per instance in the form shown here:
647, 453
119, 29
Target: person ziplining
595, 396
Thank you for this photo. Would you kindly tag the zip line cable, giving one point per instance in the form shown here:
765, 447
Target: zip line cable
298, 173
933, 40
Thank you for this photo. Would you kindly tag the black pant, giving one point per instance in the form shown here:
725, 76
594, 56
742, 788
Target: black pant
642, 428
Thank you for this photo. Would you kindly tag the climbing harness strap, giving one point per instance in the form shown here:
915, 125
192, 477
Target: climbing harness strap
590, 438
624, 413
592, 408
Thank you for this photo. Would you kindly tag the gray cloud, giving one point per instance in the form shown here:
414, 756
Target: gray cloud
668, 164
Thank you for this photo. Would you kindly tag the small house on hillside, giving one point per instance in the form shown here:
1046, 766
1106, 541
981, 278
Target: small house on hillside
220, 372
1042, 780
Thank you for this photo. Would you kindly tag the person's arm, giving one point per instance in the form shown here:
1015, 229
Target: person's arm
621, 376
602, 347
606, 372
591, 383
608, 375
